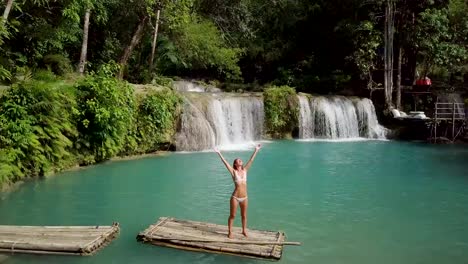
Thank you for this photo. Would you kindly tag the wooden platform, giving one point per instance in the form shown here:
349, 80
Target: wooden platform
207, 237
61, 240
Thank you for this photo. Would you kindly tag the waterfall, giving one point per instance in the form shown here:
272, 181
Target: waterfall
338, 117
306, 124
228, 121
234, 121
185, 86
369, 126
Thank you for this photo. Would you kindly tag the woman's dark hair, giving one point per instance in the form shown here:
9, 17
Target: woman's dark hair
234, 164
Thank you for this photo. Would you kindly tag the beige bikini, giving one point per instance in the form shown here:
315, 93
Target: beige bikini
239, 179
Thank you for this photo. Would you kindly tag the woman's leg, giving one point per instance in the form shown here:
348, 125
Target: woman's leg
232, 215
243, 207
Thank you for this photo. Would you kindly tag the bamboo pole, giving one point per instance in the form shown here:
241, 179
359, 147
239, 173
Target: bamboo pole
102, 238
258, 255
39, 252
276, 250
52, 228
46, 246
242, 242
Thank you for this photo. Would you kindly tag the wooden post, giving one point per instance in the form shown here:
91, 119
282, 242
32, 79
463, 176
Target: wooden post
453, 122
435, 125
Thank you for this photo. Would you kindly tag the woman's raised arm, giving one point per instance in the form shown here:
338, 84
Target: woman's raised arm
249, 163
230, 169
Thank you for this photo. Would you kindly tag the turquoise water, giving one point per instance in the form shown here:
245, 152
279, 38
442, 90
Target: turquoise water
353, 202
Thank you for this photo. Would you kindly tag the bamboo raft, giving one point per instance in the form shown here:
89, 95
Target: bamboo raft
57, 240
207, 237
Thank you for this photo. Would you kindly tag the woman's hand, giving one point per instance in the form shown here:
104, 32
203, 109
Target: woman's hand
216, 150
249, 163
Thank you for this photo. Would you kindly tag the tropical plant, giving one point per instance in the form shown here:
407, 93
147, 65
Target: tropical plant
281, 110
104, 114
35, 129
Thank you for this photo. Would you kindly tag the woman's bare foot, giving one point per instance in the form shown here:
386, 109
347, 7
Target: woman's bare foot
245, 233
230, 235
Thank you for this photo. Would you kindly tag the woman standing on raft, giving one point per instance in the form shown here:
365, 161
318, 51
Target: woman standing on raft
239, 196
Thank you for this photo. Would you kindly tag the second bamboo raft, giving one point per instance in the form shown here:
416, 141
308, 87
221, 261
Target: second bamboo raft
58, 240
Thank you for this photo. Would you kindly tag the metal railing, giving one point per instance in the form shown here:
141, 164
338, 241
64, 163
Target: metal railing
449, 112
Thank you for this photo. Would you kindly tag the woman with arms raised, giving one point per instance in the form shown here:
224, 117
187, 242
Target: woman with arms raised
239, 196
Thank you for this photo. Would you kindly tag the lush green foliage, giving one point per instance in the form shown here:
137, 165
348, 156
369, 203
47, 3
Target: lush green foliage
35, 130
162, 80
199, 46
48, 126
366, 42
281, 110
58, 64
156, 116
307, 44
104, 112
45, 75
439, 43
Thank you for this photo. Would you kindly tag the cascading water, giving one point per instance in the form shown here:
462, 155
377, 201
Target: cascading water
185, 86
338, 118
306, 123
369, 126
223, 120
233, 121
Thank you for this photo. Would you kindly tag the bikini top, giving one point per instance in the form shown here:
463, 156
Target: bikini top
239, 179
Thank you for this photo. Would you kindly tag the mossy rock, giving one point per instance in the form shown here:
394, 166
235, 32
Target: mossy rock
281, 111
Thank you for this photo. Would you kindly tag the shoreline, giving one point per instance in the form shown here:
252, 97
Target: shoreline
139, 156
7, 188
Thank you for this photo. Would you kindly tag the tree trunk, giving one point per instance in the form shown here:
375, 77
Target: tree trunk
84, 46
370, 85
6, 12
410, 55
398, 84
388, 36
155, 38
135, 40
